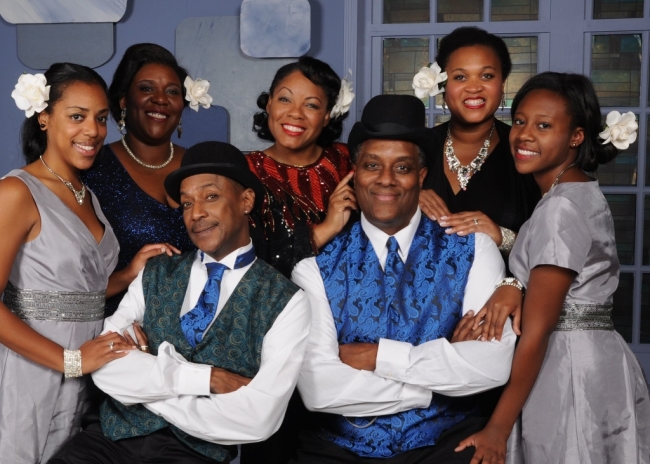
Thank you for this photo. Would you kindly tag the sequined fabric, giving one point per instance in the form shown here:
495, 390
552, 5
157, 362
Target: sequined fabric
585, 317
425, 303
55, 306
296, 198
136, 218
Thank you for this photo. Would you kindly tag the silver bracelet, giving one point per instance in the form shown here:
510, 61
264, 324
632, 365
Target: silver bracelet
510, 281
507, 239
72, 363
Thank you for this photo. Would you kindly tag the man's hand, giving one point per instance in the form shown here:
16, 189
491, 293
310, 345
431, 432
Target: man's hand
362, 356
222, 381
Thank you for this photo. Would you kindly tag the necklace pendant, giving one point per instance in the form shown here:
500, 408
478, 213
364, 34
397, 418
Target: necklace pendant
80, 195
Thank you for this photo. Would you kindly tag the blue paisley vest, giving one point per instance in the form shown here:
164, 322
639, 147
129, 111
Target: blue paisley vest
427, 305
233, 341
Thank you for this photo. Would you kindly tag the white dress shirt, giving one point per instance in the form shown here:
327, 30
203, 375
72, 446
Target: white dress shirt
405, 375
179, 390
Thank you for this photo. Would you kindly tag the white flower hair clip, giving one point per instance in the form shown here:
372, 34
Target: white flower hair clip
429, 81
196, 92
345, 98
31, 93
621, 129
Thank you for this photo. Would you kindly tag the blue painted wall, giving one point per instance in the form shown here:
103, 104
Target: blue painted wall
153, 21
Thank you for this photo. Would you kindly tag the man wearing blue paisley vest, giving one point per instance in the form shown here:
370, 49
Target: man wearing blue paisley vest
390, 358
221, 334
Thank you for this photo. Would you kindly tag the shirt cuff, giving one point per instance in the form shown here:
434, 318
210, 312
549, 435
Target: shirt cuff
194, 380
392, 359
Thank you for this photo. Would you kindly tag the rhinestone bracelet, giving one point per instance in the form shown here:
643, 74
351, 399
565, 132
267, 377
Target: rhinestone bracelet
507, 240
72, 363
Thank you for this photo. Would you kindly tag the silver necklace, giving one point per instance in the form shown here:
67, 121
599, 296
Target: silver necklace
465, 173
150, 166
557, 179
78, 194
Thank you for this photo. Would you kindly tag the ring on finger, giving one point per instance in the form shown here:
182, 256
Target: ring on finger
144, 348
110, 345
475, 221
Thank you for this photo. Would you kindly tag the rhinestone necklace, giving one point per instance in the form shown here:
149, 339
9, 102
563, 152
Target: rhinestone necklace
78, 194
465, 173
150, 166
557, 179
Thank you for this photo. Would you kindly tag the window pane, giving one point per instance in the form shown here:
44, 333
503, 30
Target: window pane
514, 10
622, 170
608, 9
451, 11
402, 60
616, 69
406, 11
646, 231
624, 212
622, 313
645, 309
523, 53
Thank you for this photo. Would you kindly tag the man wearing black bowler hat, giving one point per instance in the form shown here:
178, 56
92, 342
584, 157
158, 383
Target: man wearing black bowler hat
389, 351
226, 334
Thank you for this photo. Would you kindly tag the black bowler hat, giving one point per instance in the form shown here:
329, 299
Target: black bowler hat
392, 117
214, 158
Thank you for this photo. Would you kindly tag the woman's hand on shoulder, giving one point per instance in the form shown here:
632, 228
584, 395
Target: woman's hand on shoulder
471, 222
102, 349
506, 301
341, 203
489, 446
120, 280
432, 205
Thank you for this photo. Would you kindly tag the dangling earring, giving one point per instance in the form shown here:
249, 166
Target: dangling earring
179, 128
121, 124
503, 101
444, 106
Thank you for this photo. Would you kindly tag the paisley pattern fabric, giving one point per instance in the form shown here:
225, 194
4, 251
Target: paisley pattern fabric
233, 342
199, 318
427, 305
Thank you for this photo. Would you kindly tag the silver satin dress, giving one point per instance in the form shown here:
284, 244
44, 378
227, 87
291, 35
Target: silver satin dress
590, 402
57, 285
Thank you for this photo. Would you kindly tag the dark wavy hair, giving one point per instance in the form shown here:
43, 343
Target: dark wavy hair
59, 77
135, 57
470, 36
582, 106
320, 74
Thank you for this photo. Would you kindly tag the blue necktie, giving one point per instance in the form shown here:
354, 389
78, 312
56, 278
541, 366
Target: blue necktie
195, 322
392, 269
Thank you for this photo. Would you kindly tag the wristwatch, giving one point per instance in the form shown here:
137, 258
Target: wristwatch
511, 281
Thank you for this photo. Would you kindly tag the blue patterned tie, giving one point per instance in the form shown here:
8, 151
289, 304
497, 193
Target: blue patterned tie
392, 269
195, 322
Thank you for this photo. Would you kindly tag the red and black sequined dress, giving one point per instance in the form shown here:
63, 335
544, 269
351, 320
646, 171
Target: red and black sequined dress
296, 199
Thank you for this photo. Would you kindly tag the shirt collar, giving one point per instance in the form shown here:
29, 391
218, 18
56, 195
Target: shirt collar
228, 260
404, 237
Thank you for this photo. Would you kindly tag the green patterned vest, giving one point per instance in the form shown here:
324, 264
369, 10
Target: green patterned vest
233, 341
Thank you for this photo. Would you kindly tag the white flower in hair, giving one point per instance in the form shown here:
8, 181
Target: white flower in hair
621, 129
31, 93
345, 98
429, 81
196, 92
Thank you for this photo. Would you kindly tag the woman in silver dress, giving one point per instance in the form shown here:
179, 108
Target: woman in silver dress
580, 390
56, 255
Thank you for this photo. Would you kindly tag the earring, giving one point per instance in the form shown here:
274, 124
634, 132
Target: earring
179, 129
444, 106
42, 126
121, 124
503, 101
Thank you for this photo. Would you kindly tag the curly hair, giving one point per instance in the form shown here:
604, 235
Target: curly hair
59, 77
470, 36
582, 106
135, 57
320, 74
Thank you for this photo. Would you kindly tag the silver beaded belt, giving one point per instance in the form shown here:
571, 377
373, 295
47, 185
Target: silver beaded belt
55, 306
585, 317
